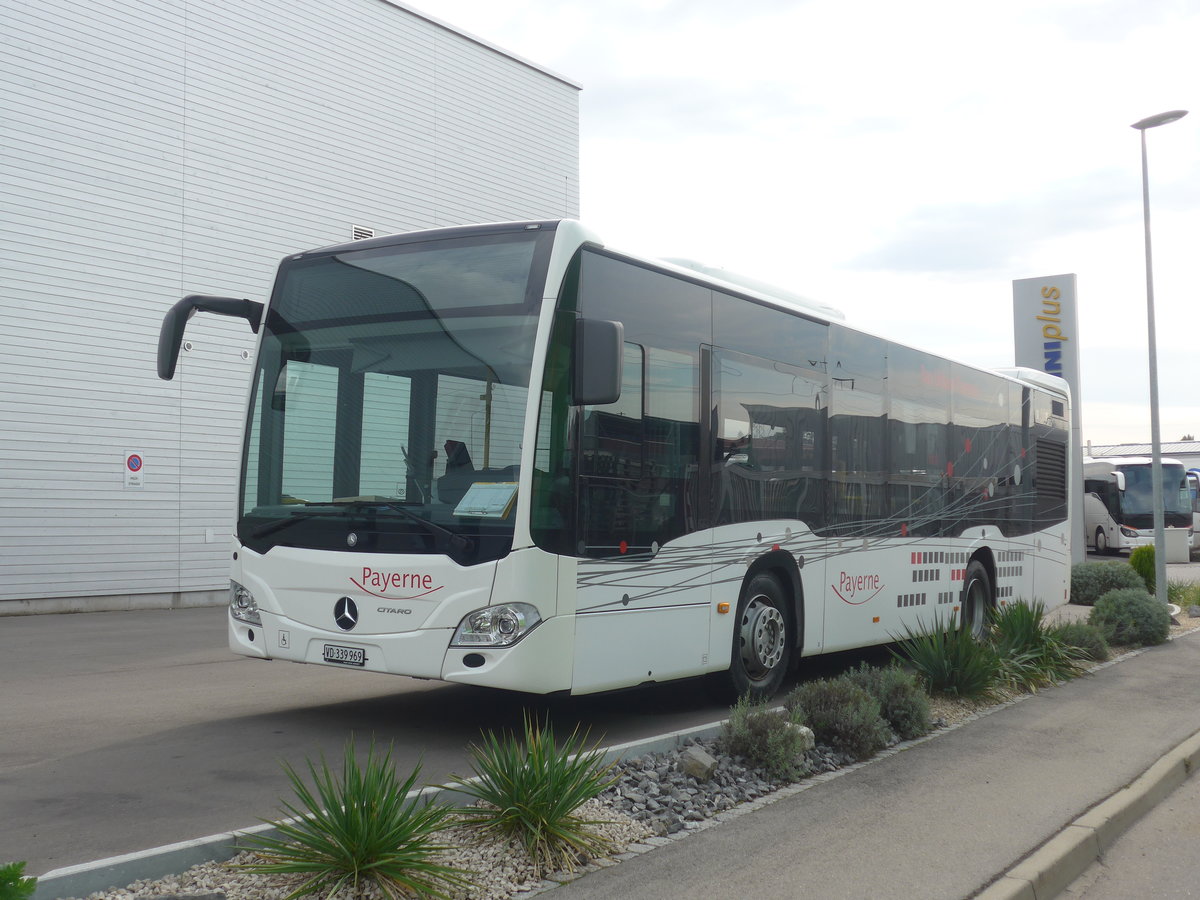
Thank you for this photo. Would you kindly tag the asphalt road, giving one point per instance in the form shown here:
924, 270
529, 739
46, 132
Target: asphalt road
129, 730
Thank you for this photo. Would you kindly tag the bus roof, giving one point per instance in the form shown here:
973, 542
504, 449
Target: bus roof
1128, 461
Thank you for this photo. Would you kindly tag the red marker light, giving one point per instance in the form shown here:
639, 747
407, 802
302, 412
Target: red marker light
623, 546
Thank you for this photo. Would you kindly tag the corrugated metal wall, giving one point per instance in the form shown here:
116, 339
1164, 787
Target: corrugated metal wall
149, 150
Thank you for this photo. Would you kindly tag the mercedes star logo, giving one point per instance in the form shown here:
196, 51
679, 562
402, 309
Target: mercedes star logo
345, 613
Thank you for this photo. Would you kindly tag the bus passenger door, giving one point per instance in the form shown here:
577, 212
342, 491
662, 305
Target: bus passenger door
642, 607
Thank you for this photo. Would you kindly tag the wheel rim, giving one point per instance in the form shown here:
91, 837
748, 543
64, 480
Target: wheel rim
974, 608
763, 634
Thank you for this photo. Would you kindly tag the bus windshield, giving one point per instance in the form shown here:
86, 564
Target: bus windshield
1137, 502
390, 382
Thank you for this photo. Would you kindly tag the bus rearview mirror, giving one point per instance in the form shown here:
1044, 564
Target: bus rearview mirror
599, 349
170, 335
1120, 480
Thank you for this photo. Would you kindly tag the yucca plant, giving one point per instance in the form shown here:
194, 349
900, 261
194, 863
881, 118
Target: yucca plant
1032, 654
357, 828
13, 884
531, 791
948, 660
1016, 626
1183, 594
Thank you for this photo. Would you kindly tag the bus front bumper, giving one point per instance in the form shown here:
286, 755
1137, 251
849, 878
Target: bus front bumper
539, 663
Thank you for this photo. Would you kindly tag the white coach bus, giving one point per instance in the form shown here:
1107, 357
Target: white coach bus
506, 455
1118, 501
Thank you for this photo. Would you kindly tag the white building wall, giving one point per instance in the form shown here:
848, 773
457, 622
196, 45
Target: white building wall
151, 150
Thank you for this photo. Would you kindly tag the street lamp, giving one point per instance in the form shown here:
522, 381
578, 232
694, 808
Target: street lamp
1156, 478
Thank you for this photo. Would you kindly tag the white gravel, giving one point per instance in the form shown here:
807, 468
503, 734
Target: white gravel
498, 869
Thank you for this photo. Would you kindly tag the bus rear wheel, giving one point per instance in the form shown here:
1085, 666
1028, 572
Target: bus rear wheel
762, 639
976, 600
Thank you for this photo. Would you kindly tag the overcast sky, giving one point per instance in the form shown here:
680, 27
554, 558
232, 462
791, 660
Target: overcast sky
903, 162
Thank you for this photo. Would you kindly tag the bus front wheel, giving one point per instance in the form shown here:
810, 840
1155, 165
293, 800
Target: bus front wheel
762, 639
1101, 541
976, 599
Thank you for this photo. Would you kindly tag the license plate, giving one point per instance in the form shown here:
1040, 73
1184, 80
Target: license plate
345, 656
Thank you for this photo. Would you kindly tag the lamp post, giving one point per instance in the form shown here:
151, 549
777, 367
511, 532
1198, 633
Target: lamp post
1156, 478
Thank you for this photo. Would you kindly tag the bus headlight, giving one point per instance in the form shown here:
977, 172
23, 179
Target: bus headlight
496, 626
1129, 532
242, 605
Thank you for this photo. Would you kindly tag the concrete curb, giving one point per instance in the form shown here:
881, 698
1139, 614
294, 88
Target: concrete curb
158, 862
1047, 871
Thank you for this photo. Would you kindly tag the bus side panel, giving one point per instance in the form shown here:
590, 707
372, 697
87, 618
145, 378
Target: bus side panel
643, 619
1051, 560
876, 592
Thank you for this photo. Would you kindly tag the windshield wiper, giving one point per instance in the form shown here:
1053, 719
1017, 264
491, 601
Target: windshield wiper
289, 520
457, 542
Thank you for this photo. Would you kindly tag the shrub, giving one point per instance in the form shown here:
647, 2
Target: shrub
361, 827
531, 792
1141, 560
12, 885
948, 660
1131, 617
841, 714
766, 738
1090, 580
902, 701
1087, 639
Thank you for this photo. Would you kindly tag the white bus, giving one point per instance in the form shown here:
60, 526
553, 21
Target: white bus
1118, 502
506, 455
1193, 488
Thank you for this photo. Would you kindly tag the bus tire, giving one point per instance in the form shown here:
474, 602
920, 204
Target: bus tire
1101, 541
762, 639
976, 600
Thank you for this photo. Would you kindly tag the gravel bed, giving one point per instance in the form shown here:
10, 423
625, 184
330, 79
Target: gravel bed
651, 789
499, 869
650, 798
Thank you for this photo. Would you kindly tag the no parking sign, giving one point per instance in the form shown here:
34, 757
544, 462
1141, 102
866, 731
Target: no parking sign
134, 470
